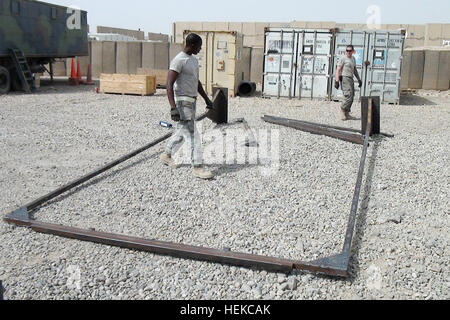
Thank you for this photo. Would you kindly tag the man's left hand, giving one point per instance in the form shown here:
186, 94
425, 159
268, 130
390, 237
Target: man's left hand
360, 83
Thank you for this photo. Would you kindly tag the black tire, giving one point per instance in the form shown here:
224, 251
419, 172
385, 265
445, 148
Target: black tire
5, 81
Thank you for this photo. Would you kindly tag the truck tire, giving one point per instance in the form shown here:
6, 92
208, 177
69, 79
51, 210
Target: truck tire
5, 81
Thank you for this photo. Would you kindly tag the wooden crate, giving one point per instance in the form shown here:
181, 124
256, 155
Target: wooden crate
128, 84
161, 75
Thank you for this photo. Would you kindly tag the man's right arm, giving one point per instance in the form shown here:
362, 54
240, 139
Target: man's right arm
171, 78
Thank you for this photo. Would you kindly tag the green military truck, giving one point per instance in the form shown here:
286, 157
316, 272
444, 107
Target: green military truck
34, 34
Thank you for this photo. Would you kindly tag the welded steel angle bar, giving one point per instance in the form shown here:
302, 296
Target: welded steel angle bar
354, 210
172, 249
315, 129
342, 261
337, 265
340, 128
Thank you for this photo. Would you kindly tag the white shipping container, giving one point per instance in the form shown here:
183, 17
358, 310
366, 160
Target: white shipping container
223, 60
379, 60
297, 63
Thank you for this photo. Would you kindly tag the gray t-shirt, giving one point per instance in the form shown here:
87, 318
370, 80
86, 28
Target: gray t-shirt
349, 66
187, 68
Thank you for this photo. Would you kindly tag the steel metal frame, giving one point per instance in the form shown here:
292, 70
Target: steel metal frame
336, 266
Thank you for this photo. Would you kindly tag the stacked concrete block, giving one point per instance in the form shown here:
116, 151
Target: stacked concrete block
279, 25
59, 68
139, 35
96, 58
436, 34
415, 36
135, 56
246, 57
108, 57
235, 26
155, 55
148, 55
122, 57
158, 37
180, 27
174, 49
161, 56
437, 69
256, 65
413, 69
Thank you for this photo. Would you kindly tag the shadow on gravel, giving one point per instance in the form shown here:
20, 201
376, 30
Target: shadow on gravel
355, 269
413, 100
93, 182
360, 229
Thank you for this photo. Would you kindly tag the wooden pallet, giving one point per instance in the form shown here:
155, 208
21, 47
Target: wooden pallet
161, 75
129, 84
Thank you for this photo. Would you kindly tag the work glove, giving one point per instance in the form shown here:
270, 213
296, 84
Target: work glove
360, 83
336, 85
175, 115
209, 104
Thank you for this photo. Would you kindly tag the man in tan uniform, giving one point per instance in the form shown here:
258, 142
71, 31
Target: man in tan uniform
345, 71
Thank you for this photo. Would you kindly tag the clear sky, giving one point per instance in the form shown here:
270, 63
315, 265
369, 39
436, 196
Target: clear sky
158, 16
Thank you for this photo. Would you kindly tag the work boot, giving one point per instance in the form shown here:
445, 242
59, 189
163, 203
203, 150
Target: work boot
343, 115
202, 173
168, 161
349, 116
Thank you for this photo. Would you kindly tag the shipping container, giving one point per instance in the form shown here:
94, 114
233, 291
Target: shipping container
379, 58
297, 63
223, 60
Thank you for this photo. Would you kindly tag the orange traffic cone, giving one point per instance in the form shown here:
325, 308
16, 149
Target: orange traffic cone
73, 77
79, 77
89, 76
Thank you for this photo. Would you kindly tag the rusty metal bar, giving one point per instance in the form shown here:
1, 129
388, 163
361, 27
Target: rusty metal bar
354, 210
337, 265
315, 129
183, 251
36, 203
218, 114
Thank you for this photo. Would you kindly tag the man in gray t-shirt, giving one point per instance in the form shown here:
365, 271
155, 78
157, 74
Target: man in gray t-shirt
183, 86
346, 69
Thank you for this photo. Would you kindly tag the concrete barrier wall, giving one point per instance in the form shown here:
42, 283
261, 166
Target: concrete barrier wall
134, 57
437, 70
108, 57
256, 65
426, 68
161, 55
413, 68
158, 37
253, 32
139, 35
96, 58
122, 57
174, 49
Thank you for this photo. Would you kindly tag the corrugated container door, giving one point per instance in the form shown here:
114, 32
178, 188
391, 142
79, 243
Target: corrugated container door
279, 71
360, 41
224, 53
313, 61
384, 72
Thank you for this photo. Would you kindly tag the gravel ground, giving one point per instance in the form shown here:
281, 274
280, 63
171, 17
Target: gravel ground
401, 246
